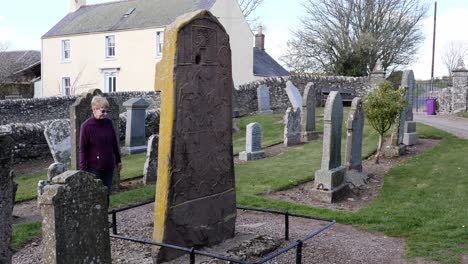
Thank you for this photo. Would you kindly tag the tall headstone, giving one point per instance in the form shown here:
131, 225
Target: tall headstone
329, 183
294, 95
292, 127
58, 138
74, 220
353, 153
253, 143
263, 99
7, 197
150, 169
308, 113
409, 135
80, 110
195, 199
135, 130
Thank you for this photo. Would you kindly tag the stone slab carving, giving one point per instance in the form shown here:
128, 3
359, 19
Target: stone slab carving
150, 169
7, 197
308, 114
195, 202
294, 95
58, 138
263, 97
135, 129
292, 127
329, 182
74, 220
253, 143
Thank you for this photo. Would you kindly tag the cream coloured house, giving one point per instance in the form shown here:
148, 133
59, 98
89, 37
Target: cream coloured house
115, 46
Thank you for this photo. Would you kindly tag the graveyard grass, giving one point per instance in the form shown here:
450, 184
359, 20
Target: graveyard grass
423, 199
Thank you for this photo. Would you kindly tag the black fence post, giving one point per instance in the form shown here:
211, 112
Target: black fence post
192, 256
286, 226
299, 252
114, 223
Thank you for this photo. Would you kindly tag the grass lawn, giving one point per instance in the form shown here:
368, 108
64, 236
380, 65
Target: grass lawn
463, 114
423, 199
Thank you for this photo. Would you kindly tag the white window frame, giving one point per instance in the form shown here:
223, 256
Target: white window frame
66, 50
159, 43
110, 46
65, 86
110, 81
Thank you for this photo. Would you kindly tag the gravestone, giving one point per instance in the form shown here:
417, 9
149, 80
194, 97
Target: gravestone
263, 98
329, 183
135, 130
150, 169
58, 138
308, 114
74, 220
292, 127
55, 169
195, 199
409, 134
294, 95
353, 153
7, 197
253, 143
80, 110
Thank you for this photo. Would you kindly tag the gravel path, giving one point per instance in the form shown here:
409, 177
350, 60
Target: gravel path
455, 125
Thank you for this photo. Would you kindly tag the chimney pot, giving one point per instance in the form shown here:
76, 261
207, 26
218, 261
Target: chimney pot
260, 38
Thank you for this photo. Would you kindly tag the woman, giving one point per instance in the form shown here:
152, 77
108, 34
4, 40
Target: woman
99, 151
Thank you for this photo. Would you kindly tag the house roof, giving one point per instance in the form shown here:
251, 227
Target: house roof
13, 62
112, 16
266, 66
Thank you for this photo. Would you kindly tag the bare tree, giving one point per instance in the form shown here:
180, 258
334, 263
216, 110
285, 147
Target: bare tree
452, 52
248, 7
347, 37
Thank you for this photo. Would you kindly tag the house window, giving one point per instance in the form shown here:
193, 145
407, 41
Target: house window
110, 46
66, 50
66, 86
110, 82
159, 42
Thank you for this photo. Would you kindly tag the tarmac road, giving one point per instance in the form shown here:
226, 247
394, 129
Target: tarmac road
455, 125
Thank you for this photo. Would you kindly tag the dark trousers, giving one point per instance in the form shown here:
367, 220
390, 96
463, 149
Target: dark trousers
106, 177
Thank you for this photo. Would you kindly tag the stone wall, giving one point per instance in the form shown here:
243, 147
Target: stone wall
246, 96
454, 99
36, 110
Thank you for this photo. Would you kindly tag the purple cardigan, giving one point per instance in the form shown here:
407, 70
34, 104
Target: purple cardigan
98, 145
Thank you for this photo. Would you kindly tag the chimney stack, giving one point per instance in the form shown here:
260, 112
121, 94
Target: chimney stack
76, 4
260, 39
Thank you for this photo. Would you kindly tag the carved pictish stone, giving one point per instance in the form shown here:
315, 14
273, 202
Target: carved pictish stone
294, 95
135, 128
57, 135
150, 169
195, 199
263, 99
7, 197
253, 143
329, 183
308, 114
292, 127
74, 220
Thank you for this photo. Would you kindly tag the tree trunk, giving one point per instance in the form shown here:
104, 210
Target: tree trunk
379, 148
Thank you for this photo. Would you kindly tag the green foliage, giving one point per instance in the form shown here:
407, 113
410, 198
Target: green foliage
382, 106
395, 78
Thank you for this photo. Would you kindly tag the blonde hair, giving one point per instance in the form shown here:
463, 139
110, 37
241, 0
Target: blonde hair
99, 102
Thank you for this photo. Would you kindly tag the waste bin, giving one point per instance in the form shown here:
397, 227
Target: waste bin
431, 106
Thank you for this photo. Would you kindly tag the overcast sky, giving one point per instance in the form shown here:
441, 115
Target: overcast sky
23, 22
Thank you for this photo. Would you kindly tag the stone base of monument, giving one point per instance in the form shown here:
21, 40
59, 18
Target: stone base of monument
309, 136
330, 185
356, 179
265, 112
133, 150
410, 139
392, 151
245, 156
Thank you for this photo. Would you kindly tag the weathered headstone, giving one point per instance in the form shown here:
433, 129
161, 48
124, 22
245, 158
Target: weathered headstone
74, 220
195, 199
263, 99
55, 169
353, 153
329, 183
253, 143
292, 126
135, 130
294, 95
410, 136
150, 169
308, 113
7, 197
57, 135
80, 110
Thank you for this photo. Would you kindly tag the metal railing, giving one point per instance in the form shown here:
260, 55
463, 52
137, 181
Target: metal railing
298, 245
